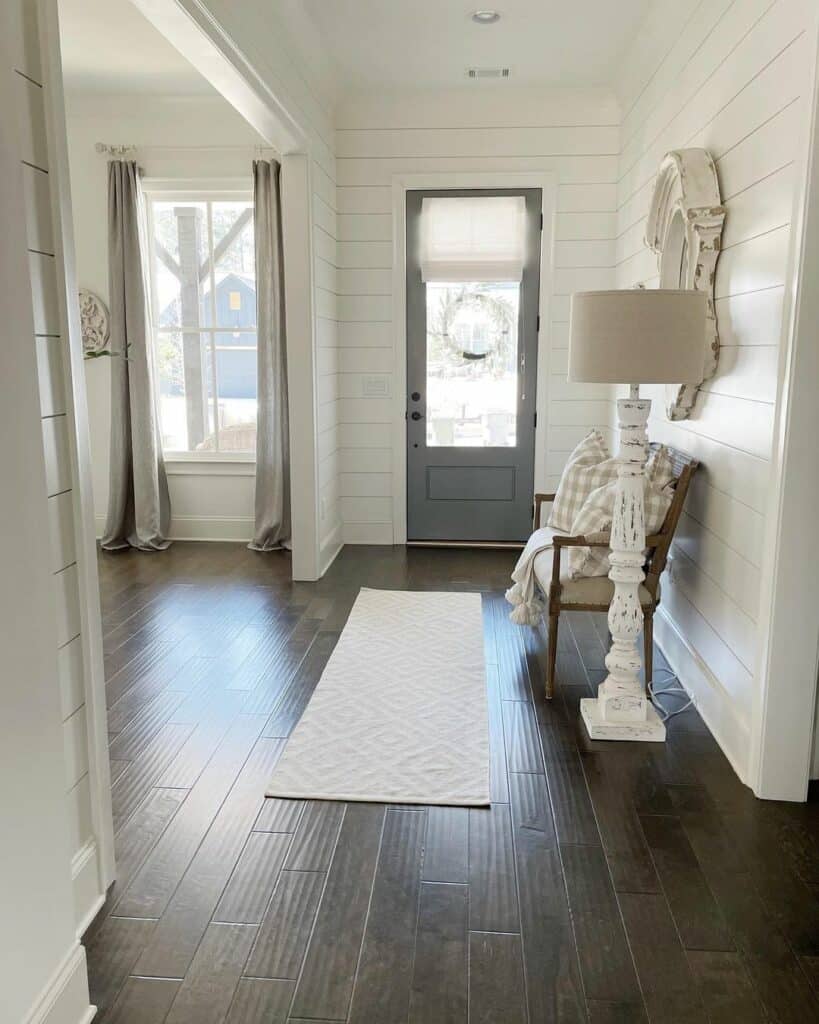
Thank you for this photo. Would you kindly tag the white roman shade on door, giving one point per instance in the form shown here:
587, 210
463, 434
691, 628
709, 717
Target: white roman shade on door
473, 238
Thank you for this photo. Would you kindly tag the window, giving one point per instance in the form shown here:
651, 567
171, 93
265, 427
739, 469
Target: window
473, 249
203, 297
472, 364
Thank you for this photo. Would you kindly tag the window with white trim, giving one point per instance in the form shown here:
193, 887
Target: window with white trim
203, 299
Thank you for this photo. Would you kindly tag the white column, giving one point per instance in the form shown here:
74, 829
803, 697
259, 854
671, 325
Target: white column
621, 710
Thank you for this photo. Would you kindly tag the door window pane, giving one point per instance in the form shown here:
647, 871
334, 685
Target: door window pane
472, 364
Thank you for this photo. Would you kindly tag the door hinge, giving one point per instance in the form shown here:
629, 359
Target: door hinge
535, 421
541, 222
537, 324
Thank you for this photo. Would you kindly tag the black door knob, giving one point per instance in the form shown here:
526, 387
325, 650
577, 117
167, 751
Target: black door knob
416, 396
416, 415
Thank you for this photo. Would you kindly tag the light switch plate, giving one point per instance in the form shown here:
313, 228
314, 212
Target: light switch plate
375, 386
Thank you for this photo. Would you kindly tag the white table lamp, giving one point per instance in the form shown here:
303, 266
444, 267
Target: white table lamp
631, 337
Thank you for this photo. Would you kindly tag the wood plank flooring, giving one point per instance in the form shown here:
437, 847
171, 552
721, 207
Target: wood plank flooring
608, 882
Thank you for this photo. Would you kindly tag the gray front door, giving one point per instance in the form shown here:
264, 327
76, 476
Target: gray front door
471, 383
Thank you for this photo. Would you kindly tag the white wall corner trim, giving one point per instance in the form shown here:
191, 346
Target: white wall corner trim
80, 454
64, 1000
785, 710
330, 549
401, 184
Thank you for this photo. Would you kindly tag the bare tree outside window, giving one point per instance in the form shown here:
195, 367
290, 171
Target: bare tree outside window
204, 319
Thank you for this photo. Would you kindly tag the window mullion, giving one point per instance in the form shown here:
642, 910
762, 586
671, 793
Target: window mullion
212, 338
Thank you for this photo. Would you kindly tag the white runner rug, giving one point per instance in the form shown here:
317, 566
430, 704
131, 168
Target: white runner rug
399, 714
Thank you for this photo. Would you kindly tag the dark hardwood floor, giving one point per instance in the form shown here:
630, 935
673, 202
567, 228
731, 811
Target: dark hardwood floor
607, 883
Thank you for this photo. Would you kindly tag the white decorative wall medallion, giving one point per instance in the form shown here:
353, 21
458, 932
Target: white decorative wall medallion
684, 228
94, 323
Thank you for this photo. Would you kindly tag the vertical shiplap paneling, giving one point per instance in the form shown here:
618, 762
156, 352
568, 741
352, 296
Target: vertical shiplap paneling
731, 80
575, 136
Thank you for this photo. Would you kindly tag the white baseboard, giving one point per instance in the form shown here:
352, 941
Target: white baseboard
64, 1000
709, 696
85, 879
215, 528
368, 533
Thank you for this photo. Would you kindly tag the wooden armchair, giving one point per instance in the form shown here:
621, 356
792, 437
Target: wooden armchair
593, 594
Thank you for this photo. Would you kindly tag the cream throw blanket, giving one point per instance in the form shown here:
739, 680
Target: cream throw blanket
528, 608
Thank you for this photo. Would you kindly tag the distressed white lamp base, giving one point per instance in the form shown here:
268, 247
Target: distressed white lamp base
654, 336
649, 730
621, 710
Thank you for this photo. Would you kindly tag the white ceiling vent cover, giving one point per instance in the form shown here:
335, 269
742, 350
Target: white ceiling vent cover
487, 72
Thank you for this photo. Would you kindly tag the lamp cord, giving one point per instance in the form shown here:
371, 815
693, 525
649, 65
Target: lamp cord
672, 691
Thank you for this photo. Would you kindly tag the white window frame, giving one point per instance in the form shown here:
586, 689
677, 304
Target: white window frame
198, 190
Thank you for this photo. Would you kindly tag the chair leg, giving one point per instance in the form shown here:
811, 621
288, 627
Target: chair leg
550, 672
648, 641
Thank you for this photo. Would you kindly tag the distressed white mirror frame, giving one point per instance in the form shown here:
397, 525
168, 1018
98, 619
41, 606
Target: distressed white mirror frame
684, 229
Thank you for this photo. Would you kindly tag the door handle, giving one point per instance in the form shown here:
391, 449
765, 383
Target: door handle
416, 415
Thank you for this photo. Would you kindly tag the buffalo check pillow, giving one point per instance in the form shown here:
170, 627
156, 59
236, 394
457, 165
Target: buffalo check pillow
596, 516
590, 466
660, 468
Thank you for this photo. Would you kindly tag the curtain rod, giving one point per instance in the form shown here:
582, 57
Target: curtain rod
121, 149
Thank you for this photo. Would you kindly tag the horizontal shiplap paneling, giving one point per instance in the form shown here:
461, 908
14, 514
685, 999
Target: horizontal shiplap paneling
72, 686
66, 585
28, 102
438, 139
39, 230
50, 374
61, 530
731, 81
57, 454
44, 294
75, 747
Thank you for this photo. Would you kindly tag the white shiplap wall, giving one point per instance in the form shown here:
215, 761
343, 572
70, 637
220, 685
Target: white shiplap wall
35, 92
572, 134
727, 75
50, 343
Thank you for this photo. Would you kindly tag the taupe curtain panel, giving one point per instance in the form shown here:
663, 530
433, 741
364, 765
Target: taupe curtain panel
139, 507
272, 527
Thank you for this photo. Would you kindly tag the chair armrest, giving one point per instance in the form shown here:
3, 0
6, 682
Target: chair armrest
540, 500
594, 540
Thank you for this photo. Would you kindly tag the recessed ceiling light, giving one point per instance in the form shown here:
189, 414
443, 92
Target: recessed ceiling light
485, 17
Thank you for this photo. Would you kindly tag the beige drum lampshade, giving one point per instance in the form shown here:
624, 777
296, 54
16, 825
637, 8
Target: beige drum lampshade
636, 336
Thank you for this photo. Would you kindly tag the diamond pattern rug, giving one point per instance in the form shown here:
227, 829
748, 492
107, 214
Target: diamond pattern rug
399, 714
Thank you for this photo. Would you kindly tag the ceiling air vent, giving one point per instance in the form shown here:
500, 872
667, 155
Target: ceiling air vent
487, 72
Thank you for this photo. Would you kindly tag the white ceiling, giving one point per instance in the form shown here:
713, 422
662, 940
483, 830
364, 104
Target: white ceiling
359, 45
422, 44
108, 46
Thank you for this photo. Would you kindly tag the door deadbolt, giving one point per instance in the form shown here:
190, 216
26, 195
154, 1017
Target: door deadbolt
416, 415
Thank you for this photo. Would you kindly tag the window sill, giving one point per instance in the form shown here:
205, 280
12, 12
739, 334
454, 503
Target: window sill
236, 465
